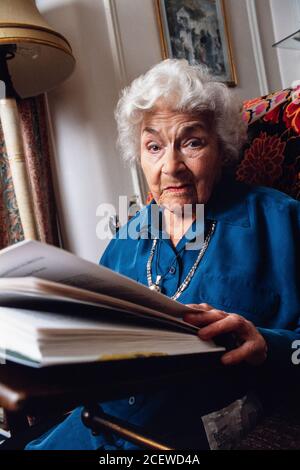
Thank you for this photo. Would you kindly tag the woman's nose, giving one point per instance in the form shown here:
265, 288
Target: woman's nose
172, 162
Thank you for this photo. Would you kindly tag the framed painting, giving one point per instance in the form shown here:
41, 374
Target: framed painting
197, 30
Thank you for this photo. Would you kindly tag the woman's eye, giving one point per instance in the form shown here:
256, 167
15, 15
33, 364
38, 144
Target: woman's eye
196, 143
154, 148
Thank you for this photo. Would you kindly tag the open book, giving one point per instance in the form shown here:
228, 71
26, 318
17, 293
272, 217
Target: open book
56, 308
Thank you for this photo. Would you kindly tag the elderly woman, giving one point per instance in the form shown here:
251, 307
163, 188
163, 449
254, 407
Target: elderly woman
186, 130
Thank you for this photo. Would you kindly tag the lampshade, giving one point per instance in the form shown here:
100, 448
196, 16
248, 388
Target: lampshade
36, 57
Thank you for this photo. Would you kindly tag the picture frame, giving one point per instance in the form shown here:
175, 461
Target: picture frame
197, 30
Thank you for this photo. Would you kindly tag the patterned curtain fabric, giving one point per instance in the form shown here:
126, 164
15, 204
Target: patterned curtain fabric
272, 154
37, 154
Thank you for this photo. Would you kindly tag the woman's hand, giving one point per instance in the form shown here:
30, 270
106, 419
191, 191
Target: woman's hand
212, 322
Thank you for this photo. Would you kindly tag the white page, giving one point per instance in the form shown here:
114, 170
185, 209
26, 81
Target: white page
34, 321
36, 290
33, 258
51, 339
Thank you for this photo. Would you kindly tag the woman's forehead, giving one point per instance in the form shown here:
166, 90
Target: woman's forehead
165, 117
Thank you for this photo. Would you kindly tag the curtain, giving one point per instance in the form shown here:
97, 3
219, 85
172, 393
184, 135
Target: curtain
37, 154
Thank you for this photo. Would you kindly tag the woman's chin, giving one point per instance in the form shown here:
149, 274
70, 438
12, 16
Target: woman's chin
177, 203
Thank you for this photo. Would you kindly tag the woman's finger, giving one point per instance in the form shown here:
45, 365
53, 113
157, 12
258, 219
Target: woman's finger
204, 307
201, 319
228, 324
250, 351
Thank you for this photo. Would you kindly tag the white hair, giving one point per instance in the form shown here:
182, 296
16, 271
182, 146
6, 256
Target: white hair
185, 88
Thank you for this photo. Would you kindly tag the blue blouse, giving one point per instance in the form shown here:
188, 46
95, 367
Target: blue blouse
251, 267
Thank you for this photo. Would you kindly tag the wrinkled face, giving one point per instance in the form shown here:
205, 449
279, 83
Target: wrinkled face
179, 157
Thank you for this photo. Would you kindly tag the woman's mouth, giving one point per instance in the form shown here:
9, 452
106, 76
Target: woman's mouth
179, 189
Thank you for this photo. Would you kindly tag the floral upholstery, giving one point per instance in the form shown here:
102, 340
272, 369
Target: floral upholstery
272, 158
272, 154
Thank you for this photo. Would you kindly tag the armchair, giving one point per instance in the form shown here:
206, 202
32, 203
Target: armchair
272, 158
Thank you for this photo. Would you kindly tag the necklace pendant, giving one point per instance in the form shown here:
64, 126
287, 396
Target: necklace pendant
155, 287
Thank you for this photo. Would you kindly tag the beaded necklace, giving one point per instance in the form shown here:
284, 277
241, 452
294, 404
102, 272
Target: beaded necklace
156, 285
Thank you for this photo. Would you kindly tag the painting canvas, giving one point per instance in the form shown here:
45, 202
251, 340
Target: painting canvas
196, 30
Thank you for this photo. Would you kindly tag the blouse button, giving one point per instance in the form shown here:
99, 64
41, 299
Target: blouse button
131, 401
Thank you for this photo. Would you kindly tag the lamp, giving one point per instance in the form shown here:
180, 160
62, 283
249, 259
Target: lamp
33, 59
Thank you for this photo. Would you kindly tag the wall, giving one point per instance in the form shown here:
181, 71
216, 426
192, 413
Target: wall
140, 39
109, 55
267, 37
286, 20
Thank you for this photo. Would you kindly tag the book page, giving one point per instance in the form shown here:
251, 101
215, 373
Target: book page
47, 338
33, 258
39, 292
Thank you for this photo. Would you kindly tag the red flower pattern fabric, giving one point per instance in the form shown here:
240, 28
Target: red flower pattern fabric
262, 163
272, 154
291, 116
